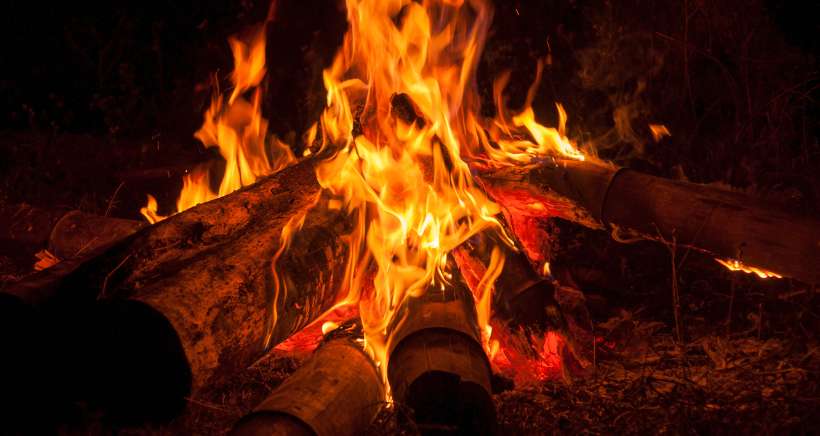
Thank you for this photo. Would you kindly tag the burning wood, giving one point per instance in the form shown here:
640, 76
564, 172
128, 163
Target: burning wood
436, 363
725, 224
195, 293
336, 392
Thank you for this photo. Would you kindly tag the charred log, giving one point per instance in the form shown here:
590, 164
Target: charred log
719, 222
336, 392
522, 298
436, 363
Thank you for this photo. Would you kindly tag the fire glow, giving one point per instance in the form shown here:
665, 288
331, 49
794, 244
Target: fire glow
404, 179
406, 183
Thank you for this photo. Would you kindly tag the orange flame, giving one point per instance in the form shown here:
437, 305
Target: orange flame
237, 128
736, 265
407, 183
410, 180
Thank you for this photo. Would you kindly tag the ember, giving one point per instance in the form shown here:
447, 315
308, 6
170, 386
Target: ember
383, 233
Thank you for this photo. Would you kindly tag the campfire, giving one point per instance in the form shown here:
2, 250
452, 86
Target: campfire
399, 242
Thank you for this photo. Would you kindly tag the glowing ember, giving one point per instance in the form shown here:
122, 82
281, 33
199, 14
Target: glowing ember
736, 265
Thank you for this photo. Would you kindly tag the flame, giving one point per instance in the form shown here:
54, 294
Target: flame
736, 265
659, 131
235, 126
408, 180
405, 179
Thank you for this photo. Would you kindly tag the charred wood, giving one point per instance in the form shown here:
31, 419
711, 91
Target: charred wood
722, 223
66, 233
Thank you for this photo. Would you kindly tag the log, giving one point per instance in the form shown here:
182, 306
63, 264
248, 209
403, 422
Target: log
66, 233
436, 363
522, 297
337, 391
719, 222
26, 378
183, 304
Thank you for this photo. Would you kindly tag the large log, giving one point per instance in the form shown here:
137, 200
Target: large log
436, 363
183, 304
722, 223
337, 391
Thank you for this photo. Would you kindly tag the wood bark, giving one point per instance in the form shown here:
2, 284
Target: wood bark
436, 363
723, 223
183, 304
337, 391
521, 296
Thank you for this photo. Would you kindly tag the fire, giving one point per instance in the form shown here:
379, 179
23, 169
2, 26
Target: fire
659, 131
237, 128
405, 181
736, 265
408, 181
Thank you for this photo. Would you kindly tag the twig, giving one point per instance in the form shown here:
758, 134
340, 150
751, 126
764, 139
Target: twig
211, 406
672, 247
108, 276
731, 305
111, 201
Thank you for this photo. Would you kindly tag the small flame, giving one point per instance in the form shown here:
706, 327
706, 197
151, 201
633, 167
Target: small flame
149, 211
736, 265
659, 131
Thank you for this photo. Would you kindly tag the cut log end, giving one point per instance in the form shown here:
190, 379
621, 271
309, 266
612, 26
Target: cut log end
443, 376
436, 364
139, 371
336, 392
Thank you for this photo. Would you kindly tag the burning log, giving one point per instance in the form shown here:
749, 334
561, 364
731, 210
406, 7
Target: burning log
522, 297
184, 303
336, 392
436, 364
725, 224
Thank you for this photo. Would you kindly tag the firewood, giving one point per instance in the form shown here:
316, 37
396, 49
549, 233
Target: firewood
182, 304
436, 363
522, 297
336, 392
719, 222
66, 233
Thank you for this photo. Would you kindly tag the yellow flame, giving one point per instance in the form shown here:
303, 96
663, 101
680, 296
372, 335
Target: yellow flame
237, 128
406, 183
736, 265
409, 180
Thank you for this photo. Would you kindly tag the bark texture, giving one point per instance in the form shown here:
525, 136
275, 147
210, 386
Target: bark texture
723, 223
